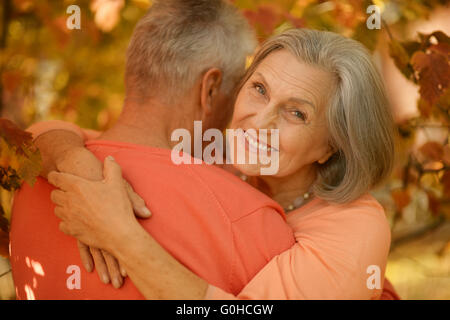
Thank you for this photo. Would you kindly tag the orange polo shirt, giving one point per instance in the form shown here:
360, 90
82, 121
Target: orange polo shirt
215, 224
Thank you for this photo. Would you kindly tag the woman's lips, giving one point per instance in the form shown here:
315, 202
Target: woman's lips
253, 144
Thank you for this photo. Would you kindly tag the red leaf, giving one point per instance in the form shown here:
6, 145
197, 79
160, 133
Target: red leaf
14, 136
446, 183
11, 80
265, 17
433, 73
424, 108
442, 48
401, 198
432, 150
19, 158
446, 155
434, 203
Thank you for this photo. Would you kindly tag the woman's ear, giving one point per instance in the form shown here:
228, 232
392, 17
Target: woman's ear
211, 82
331, 150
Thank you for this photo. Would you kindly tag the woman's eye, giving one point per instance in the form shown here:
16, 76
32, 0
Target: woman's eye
260, 88
299, 114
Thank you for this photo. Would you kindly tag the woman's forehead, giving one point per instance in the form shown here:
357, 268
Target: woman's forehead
288, 75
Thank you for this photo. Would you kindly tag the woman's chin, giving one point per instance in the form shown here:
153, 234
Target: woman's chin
250, 170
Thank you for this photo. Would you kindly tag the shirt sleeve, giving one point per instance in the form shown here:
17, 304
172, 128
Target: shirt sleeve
258, 237
333, 258
42, 127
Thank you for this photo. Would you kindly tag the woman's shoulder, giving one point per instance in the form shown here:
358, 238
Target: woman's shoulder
363, 215
367, 200
367, 215
341, 241
366, 205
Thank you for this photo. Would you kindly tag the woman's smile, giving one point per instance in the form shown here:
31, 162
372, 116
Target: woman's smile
256, 145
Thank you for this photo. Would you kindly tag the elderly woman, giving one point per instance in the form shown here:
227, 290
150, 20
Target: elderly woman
325, 96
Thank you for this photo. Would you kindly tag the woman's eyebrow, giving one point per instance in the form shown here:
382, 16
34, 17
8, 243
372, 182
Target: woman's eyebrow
302, 101
292, 99
259, 74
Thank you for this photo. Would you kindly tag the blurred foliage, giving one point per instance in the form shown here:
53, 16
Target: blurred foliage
19, 161
51, 72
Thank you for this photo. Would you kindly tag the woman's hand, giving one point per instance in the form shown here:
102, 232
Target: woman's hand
64, 151
98, 213
81, 162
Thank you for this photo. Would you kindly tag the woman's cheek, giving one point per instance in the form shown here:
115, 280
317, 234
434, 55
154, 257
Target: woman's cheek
293, 149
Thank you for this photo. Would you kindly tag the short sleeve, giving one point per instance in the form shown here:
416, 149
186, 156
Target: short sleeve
333, 258
258, 236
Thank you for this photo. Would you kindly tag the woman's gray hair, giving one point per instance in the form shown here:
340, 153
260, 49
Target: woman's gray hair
359, 117
178, 40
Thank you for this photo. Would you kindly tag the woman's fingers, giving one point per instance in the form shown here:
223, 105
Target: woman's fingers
58, 197
59, 212
86, 257
140, 210
107, 267
123, 272
114, 269
112, 171
113, 174
100, 265
65, 181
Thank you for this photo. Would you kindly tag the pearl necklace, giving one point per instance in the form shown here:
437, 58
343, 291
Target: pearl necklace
297, 203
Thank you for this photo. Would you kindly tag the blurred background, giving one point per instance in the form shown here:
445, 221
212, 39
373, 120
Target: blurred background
49, 71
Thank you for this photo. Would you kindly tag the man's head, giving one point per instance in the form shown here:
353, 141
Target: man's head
189, 53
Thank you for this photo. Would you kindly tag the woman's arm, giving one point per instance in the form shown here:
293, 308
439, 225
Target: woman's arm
61, 145
62, 148
329, 260
326, 263
158, 275
100, 215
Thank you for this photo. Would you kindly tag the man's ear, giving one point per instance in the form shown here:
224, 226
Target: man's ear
210, 88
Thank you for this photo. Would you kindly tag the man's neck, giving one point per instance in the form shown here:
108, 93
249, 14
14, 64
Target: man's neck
124, 132
145, 125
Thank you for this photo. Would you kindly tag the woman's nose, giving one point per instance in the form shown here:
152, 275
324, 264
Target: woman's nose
266, 118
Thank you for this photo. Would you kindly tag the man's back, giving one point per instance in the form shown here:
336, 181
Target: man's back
213, 223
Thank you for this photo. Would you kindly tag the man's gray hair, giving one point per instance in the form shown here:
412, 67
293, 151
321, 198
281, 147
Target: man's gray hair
178, 40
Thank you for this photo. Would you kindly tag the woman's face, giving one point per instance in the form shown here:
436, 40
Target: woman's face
285, 94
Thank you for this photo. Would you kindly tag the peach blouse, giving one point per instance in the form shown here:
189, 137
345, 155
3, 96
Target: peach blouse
340, 253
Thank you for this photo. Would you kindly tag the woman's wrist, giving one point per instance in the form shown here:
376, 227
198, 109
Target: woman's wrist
145, 260
121, 237
53, 145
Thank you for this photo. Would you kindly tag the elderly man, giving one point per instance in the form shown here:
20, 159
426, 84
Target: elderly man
183, 62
